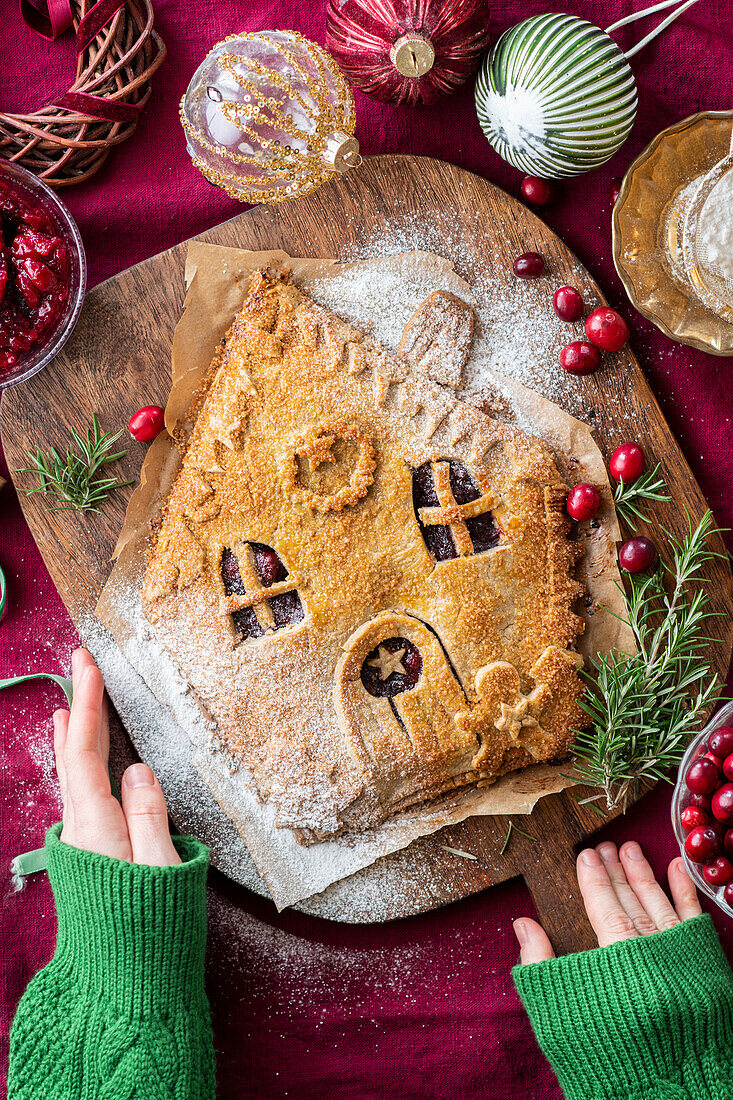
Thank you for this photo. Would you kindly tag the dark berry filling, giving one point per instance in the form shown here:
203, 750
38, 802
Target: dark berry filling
463, 487
483, 529
232, 578
286, 607
437, 537
35, 276
385, 677
269, 568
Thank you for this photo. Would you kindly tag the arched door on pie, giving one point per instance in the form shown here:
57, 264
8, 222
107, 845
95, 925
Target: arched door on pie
396, 697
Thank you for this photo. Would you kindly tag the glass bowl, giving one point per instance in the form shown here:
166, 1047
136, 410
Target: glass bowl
680, 798
647, 230
34, 360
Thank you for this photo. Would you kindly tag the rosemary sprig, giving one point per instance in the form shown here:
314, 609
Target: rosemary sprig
75, 479
645, 707
514, 829
649, 486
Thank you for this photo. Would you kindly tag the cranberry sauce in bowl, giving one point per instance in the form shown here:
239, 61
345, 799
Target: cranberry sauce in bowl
42, 274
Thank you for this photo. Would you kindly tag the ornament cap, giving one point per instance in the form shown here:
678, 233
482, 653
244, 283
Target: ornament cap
341, 152
412, 55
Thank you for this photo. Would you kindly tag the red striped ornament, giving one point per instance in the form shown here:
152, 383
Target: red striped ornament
407, 51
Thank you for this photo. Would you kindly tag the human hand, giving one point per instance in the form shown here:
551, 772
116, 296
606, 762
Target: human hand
93, 819
622, 899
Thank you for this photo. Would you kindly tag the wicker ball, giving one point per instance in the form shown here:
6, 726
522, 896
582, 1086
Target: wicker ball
63, 145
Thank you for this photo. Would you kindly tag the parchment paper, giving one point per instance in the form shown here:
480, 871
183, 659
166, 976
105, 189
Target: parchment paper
217, 279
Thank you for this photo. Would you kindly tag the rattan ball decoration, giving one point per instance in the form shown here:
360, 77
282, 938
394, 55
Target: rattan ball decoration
269, 117
67, 140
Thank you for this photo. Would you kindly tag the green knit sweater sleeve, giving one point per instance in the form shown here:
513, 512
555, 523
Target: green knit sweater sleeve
645, 1019
120, 1012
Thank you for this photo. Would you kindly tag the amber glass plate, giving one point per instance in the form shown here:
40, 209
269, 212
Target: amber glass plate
647, 230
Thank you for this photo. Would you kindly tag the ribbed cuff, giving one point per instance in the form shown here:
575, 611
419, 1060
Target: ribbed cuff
643, 1010
131, 934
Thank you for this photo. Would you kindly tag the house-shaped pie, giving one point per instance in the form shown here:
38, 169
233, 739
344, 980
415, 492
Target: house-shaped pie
367, 581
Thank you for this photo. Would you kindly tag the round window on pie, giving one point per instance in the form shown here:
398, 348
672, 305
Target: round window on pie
392, 667
251, 576
453, 513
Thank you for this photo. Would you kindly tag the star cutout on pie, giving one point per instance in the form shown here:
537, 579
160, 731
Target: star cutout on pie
388, 663
318, 450
514, 717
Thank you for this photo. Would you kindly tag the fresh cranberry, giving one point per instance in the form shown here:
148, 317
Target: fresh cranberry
728, 894
580, 357
691, 818
627, 463
721, 742
700, 801
702, 777
583, 501
728, 767
728, 842
715, 760
722, 804
529, 265
637, 555
568, 303
537, 191
719, 872
146, 423
606, 328
614, 189
702, 844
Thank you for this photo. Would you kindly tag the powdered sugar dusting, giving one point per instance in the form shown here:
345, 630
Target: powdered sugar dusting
518, 334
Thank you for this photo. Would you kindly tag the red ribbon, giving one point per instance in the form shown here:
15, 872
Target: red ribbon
82, 103
51, 18
95, 20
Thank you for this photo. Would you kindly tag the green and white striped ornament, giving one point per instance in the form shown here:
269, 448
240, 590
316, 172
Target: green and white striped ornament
556, 95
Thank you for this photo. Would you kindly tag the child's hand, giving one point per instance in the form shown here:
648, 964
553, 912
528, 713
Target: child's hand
622, 899
94, 820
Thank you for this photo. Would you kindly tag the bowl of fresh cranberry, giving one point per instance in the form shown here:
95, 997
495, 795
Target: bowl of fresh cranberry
43, 274
702, 809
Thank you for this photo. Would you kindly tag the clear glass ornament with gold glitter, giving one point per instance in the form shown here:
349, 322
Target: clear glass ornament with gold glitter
269, 117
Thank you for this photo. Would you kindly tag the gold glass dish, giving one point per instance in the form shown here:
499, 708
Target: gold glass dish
648, 222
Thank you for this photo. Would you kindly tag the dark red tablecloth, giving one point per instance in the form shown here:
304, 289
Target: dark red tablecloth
423, 1007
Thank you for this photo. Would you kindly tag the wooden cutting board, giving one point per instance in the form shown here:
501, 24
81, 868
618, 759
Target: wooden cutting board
119, 358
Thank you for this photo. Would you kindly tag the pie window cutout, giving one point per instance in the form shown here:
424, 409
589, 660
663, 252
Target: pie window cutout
412, 727
392, 667
259, 593
454, 515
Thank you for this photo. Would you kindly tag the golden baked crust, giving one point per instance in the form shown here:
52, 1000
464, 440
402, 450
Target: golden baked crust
407, 676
